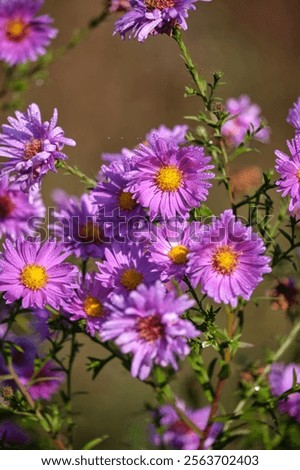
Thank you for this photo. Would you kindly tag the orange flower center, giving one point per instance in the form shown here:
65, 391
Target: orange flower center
178, 254
6, 206
34, 276
126, 201
92, 307
131, 278
150, 328
32, 148
298, 174
224, 260
169, 178
16, 30
159, 4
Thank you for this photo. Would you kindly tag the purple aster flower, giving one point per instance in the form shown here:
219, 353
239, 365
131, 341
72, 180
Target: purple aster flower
177, 434
23, 37
32, 147
170, 180
148, 325
88, 303
36, 273
17, 210
126, 267
76, 225
151, 17
244, 116
289, 169
39, 324
22, 357
294, 116
116, 204
45, 383
281, 379
228, 260
119, 5
12, 434
176, 135
125, 154
169, 251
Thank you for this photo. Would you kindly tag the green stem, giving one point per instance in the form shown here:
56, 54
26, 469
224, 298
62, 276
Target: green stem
76, 172
198, 79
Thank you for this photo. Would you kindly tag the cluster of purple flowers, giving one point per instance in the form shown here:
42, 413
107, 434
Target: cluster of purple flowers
288, 165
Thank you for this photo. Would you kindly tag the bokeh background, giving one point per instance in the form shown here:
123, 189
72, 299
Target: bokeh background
110, 93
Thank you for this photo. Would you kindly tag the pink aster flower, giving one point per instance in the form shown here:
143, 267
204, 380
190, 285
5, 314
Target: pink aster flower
294, 116
245, 116
31, 147
126, 267
36, 273
17, 210
76, 225
119, 5
176, 434
228, 260
23, 37
170, 180
148, 325
289, 169
88, 303
169, 250
281, 379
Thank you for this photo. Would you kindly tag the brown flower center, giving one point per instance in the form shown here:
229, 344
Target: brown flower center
159, 4
90, 233
16, 30
32, 148
6, 206
150, 328
126, 201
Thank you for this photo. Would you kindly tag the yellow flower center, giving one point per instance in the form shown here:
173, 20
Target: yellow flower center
34, 276
224, 260
32, 147
169, 178
178, 254
16, 30
126, 201
298, 174
159, 4
6, 206
92, 306
131, 278
90, 233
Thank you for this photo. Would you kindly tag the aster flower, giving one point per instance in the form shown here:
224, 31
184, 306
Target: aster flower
17, 210
46, 382
116, 205
147, 324
31, 147
76, 225
281, 379
89, 303
125, 268
176, 135
23, 37
176, 434
119, 5
169, 251
170, 180
151, 17
294, 116
289, 169
244, 116
285, 294
125, 154
22, 357
35, 273
228, 260
11, 435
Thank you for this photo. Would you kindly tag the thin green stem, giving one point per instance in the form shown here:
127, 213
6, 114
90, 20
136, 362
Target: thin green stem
76, 172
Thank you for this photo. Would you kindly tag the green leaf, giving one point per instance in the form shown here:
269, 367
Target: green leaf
94, 442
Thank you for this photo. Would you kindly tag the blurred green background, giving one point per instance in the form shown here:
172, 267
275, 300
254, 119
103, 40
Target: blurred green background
110, 93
